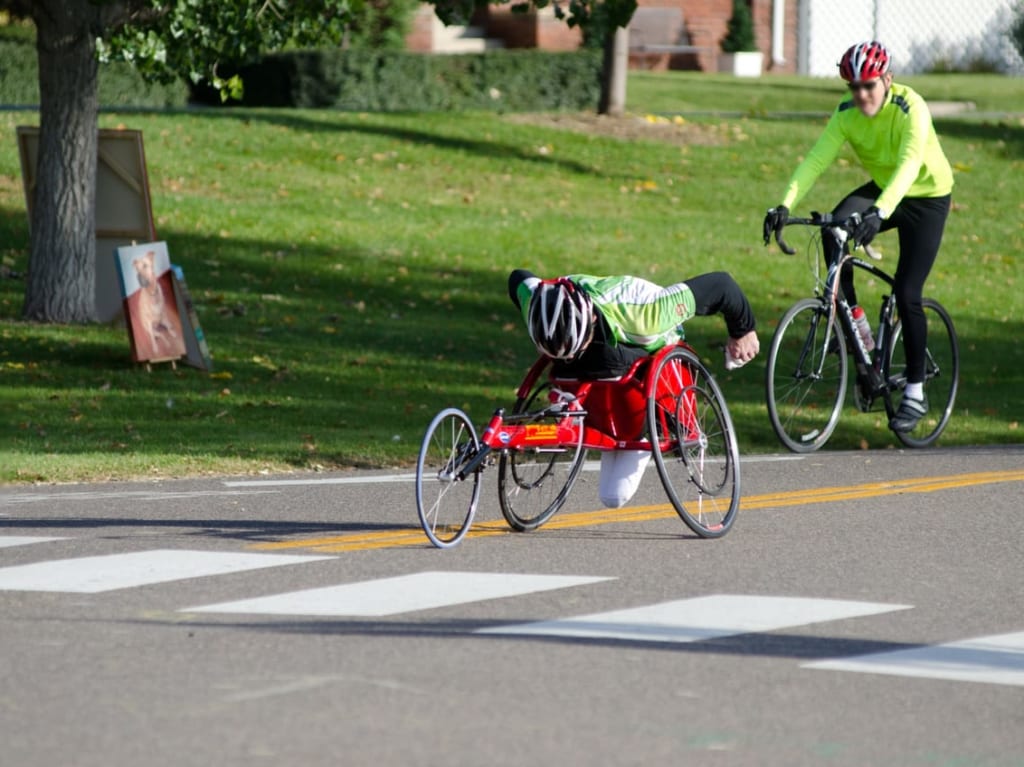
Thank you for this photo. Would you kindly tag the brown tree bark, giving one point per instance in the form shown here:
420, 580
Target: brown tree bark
61, 270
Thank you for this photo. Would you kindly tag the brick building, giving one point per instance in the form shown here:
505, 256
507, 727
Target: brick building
698, 27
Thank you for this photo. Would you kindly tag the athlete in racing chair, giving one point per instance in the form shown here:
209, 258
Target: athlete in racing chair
597, 327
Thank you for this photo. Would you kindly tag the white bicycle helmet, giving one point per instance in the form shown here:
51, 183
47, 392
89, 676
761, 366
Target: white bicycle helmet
560, 319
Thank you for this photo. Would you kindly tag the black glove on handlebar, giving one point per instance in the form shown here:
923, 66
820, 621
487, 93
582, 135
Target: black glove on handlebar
868, 227
774, 220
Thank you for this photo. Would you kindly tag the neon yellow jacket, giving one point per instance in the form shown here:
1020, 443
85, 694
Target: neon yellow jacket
898, 148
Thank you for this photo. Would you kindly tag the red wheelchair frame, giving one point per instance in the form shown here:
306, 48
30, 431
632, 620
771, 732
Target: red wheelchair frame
541, 445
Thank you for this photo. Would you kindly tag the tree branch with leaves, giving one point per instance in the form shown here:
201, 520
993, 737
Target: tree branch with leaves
166, 39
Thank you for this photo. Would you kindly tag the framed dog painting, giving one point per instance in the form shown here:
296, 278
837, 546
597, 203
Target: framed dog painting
151, 311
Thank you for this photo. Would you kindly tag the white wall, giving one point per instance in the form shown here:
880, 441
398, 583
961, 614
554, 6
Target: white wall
917, 32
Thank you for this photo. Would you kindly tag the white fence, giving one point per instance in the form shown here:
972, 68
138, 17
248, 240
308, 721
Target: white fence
922, 35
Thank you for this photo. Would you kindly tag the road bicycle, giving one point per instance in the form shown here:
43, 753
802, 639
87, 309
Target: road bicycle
806, 373
667, 402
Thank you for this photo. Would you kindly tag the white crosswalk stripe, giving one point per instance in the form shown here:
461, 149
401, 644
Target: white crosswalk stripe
406, 593
997, 659
23, 540
89, 575
700, 618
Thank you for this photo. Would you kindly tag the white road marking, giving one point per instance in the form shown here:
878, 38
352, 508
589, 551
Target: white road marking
376, 479
135, 495
21, 540
700, 618
90, 575
997, 659
304, 684
405, 593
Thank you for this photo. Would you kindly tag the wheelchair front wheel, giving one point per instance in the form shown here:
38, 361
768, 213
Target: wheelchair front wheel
694, 443
534, 483
447, 503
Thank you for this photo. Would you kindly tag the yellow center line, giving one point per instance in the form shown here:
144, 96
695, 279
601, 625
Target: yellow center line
414, 536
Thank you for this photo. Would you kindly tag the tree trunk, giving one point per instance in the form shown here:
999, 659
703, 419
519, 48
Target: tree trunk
614, 64
62, 262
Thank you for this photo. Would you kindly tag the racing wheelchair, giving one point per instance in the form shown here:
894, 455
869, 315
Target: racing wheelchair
667, 402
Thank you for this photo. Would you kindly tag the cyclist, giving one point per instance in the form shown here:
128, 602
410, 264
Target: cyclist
596, 327
890, 129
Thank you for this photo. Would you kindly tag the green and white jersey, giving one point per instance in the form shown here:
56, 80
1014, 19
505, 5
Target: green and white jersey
898, 147
638, 312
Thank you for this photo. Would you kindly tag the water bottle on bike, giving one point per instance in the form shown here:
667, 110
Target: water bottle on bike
860, 321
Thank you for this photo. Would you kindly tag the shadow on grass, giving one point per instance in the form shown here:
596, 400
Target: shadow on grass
313, 365
1004, 138
316, 365
491, 148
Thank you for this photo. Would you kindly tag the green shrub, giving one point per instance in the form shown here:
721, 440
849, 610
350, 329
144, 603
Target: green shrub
740, 34
394, 81
120, 85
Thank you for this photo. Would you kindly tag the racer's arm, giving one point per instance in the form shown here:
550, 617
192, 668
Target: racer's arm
817, 161
521, 284
718, 292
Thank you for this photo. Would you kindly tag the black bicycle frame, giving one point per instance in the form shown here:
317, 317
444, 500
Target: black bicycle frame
871, 367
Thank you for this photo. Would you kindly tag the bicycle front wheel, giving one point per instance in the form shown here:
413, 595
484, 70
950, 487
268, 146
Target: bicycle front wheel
694, 444
941, 374
805, 378
446, 503
533, 483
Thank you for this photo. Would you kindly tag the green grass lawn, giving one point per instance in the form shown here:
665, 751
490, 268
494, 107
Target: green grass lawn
695, 92
349, 271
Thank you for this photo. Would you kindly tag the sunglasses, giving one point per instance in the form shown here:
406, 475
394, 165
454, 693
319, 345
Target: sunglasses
868, 86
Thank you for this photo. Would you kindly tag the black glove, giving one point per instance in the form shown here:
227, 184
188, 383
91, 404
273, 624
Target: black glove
868, 227
774, 220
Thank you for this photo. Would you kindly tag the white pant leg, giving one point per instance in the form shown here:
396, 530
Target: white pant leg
621, 472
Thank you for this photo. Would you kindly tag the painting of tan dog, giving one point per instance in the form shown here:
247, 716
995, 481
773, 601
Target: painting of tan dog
151, 309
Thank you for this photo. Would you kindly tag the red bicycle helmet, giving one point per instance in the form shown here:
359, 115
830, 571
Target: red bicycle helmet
864, 61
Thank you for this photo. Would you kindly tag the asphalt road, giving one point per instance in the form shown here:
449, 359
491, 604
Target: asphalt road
866, 609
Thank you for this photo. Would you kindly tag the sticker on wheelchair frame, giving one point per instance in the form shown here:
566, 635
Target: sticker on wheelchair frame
541, 432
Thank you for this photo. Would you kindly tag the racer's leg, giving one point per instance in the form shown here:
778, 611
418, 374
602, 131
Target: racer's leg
621, 473
920, 222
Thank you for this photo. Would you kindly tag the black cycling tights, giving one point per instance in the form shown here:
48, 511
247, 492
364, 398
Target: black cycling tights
920, 222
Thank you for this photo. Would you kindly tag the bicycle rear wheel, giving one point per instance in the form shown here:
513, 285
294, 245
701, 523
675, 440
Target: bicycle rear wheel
941, 374
694, 444
805, 377
445, 503
533, 483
